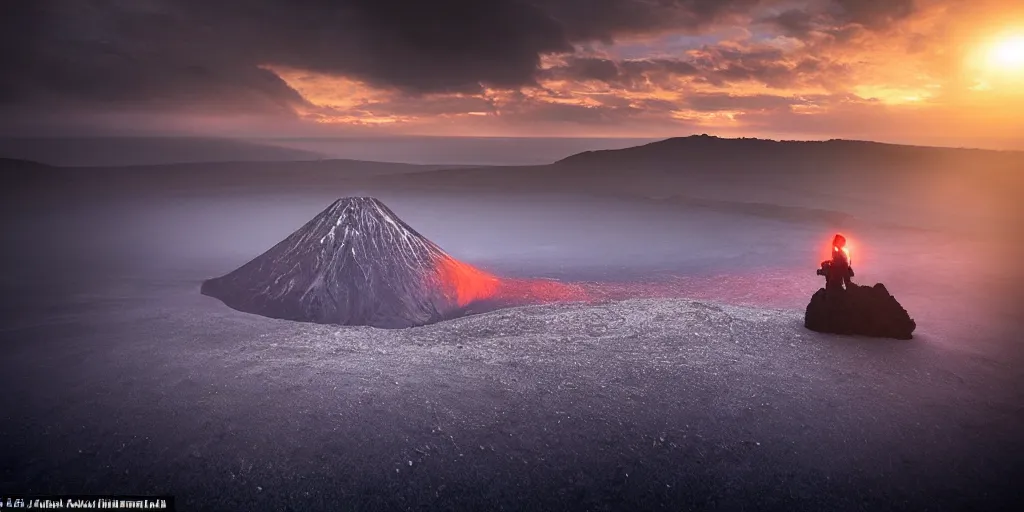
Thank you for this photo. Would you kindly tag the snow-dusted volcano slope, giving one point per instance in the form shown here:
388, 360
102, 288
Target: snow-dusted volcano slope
356, 263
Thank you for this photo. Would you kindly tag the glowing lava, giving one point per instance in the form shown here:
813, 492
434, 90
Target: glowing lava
466, 283
546, 291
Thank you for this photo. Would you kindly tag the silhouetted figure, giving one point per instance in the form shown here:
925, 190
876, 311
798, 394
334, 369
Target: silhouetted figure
842, 307
838, 271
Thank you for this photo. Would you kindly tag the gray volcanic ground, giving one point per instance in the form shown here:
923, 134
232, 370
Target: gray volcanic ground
693, 386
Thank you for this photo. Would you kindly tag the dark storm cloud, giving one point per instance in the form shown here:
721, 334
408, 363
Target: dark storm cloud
604, 70
769, 66
837, 15
604, 19
794, 22
669, 66
772, 74
714, 65
135, 55
628, 74
873, 13
207, 54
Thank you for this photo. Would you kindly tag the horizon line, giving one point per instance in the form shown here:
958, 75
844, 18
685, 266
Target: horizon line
497, 137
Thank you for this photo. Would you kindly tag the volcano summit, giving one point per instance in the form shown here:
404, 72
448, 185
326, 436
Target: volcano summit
355, 263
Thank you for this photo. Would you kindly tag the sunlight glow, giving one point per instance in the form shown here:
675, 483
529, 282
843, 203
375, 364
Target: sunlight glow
1008, 54
893, 95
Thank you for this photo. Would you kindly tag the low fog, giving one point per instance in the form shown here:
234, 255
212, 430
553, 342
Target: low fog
697, 387
936, 246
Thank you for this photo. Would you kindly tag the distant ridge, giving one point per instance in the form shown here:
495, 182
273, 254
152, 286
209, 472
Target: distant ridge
333, 164
16, 174
18, 163
126, 151
703, 149
209, 177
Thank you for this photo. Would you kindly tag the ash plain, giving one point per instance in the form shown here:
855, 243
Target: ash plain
120, 377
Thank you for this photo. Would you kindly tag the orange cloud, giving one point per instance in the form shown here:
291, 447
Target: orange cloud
910, 76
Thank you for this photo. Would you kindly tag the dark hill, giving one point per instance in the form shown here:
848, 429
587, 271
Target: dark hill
760, 154
100, 183
17, 163
16, 174
123, 151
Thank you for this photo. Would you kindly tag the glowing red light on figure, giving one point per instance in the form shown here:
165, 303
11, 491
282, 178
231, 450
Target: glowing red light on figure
845, 251
840, 243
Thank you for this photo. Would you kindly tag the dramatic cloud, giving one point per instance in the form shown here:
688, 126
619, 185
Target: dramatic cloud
576, 67
795, 22
874, 13
756, 103
836, 16
166, 50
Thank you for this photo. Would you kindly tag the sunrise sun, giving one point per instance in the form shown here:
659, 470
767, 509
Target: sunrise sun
1007, 54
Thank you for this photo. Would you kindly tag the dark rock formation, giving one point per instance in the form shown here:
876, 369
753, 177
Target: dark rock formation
860, 310
356, 263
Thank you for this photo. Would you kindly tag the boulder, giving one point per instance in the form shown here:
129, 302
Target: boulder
859, 310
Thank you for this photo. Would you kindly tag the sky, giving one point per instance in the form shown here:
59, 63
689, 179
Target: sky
937, 72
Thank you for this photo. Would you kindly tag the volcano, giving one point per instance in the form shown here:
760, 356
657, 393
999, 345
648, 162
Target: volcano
355, 263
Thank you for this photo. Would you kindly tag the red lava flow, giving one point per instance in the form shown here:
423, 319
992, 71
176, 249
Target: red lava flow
775, 288
779, 289
465, 282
